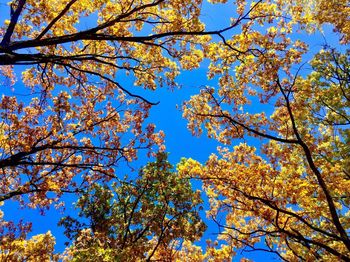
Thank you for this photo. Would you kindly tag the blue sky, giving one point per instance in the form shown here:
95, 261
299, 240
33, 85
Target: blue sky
167, 117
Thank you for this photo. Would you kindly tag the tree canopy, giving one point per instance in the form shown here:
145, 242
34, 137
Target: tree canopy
149, 212
277, 103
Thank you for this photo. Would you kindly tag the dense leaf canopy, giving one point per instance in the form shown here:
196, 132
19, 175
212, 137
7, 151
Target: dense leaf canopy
73, 114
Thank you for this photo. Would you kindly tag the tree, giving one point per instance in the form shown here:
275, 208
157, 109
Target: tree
76, 121
292, 191
79, 122
70, 122
135, 218
14, 245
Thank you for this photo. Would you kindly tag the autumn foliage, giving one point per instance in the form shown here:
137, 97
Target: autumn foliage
74, 114
134, 219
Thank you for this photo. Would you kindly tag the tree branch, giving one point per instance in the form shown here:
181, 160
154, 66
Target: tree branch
14, 18
58, 17
321, 182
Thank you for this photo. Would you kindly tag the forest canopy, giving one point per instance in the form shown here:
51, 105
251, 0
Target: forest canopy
74, 117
